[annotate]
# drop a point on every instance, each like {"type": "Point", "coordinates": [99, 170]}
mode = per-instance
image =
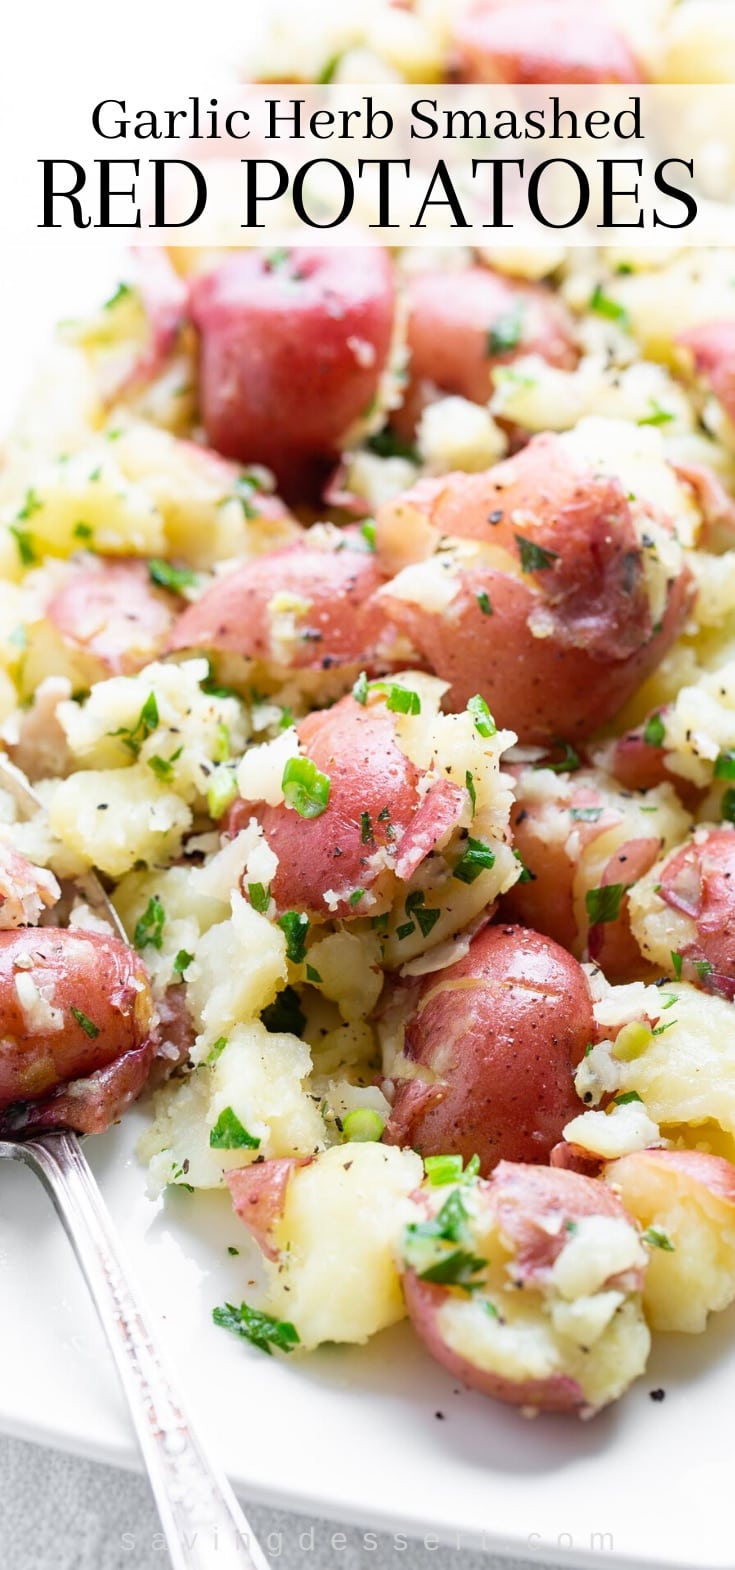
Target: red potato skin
{"type": "Point", "coordinates": [113, 612]}
{"type": "Point", "coordinates": [99, 976]}
{"type": "Point", "coordinates": [522, 1200]}
{"type": "Point", "coordinates": [699, 880]}
{"type": "Point", "coordinates": [356, 747]}
{"type": "Point", "coordinates": [589, 602]}
{"type": "Point", "coordinates": [86, 1105]}
{"type": "Point", "coordinates": [713, 348]}
{"type": "Point", "coordinates": [546, 902]}
{"type": "Point", "coordinates": [343, 625]}
{"type": "Point", "coordinates": [291, 356]}
{"type": "Point", "coordinates": [258, 1194]}
{"type": "Point", "coordinates": [536, 42]}
{"type": "Point", "coordinates": [501, 1031]}
{"type": "Point", "coordinates": [450, 318]}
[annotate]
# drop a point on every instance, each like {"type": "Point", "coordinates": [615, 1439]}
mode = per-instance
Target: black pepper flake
{"type": "Point", "coordinates": [495, 517]}
{"type": "Point", "coordinates": [657, 1395]}
{"type": "Point", "coordinates": [440, 1416]}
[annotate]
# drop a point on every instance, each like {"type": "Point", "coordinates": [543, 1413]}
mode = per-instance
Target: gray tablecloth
{"type": "Point", "coordinates": [59, 1513]}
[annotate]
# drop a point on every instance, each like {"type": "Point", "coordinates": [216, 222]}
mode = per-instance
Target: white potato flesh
{"type": "Point", "coordinates": [691, 1229]}
{"type": "Point", "coordinates": [337, 1279]}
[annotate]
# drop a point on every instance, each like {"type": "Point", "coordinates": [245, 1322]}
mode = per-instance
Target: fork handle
{"type": "Point", "coordinates": [201, 1518]}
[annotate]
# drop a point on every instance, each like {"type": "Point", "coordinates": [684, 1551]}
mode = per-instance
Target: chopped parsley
{"type": "Point", "coordinates": [259, 896]}
{"type": "Point", "coordinates": [655, 1238]}
{"type": "Point", "coordinates": [388, 444]}
{"type": "Point", "coordinates": [295, 925]}
{"type": "Point", "coordinates": [426, 1240]}
{"type": "Point", "coordinates": [569, 761]}
{"type": "Point", "coordinates": [400, 700]}
{"type": "Point", "coordinates": [122, 292]}
{"type": "Point", "coordinates": [626, 1098]}
{"type": "Point", "coordinates": [727, 808]}
{"type": "Point", "coordinates": [31, 503]}
{"type": "Point", "coordinates": [85, 1023]}
{"type": "Point", "coordinates": [355, 897]}
{"type": "Point", "coordinates": [654, 731]}
{"type": "Point", "coordinates": [216, 1049]}
{"type": "Point", "coordinates": [603, 904]}
{"type": "Point", "coordinates": [534, 558]}
{"type": "Point", "coordinates": [147, 721]}
{"type": "Point", "coordinates": [676, 963]}
{"type": "Point", "coordinates": [150, 927]}
{"type": "Point", "coordinates": [182, 962]}
{"type": "Point", "coordinates": [329, 70]}
{"type": "Point", "coordinates": [284, 1014]}
{"type": "Point", "coordinates": [483, 600]}
{"type": "Point", "coordinates": [603, 305]}
{"type": "Point", "coordinates": [366, 828]}
{"type": "Point", "coordinates": [658, 415]}
{"type": "Point", "coordinates": [703, 968]}
{"type": "Point", "coordinates": [367, 530]}
{"type": "Point", "coordinates": [229, 1134]}
{"type": "Point", "coordinates": [312, 974]}
{"type": "Point", "coordinates": [725, 765]}
{"type": "Point", "coordinates": [470, 788]}
{"type": "Point", "coordinates": [477, 857]}
{"type": "Point", "coordinates": [417, 911]}
{"type": "Point", "coordinates": [166, 576]}
{"type": "Point", "coordinates": [305, 788]}
{"type": "Point", "coordinates": [82, 531]}
{"type": "Point", "coordinates": [163, 768]}
{"type": "Point", "coordinates": [506, 331]}
{"type": "Point", "coordinates": [484, 722]}
{"type": "Point", "coordinates": [26, 547]}
{"type": "Point", "coordinates": [261, 1330]}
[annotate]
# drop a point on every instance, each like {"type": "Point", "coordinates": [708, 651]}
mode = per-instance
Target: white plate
{"type": "Point", "coordinates": [353, 1434]}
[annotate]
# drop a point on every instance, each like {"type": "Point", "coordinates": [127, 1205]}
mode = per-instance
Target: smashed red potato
{"type": "Point", "coordinates": [78, 1028]}
{"type": "Point", "coordinates": [528, 1287]}
{"type": "Point", "coordinates": [543, 606]}
{"type": "Point", "coordinates": [491, 1044]}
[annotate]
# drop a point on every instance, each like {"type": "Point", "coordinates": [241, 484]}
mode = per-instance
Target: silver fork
{"type": "Point", "coordinates": [199, 1513]}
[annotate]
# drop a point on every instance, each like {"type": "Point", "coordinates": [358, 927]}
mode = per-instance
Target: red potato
{"type": "Point", "coordinates": [356, 747]}
{"type": "Point", "coordinates": [330, 580]}
{"type": "Point", "coordinates": [539, 1328]}
{"type": "Point", "coordinates": [72, 1004]}
{"type": "Point", "coordinates": [699, 882]}
{"type": "Point", "coordinates": [555, 837]}
{"type": "Point", "coordinates": [498, 1036]}
{"type": "Point", "coordinates": [88, 1105]}
{"type": "Point", "coordinates": [25, 891]}
{"type": "Point", "coordinates": [452, 320]}
{"type": "Point", "coordinates": [685, 1200]}
{"type": "Point", "coordinates": [535, 41]}
{"type": "Point", "coordinates": [292, 350]}
{"type": "Point", "coordinates": [114, 613]}
{"type": "Point", "coordinates": [712, 346]}
{"type": "Point", "coordinates": [551, 619]}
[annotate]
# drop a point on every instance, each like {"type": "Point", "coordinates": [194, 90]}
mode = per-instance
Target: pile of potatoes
{"type": "Point", "coordinates": [367, 621]}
